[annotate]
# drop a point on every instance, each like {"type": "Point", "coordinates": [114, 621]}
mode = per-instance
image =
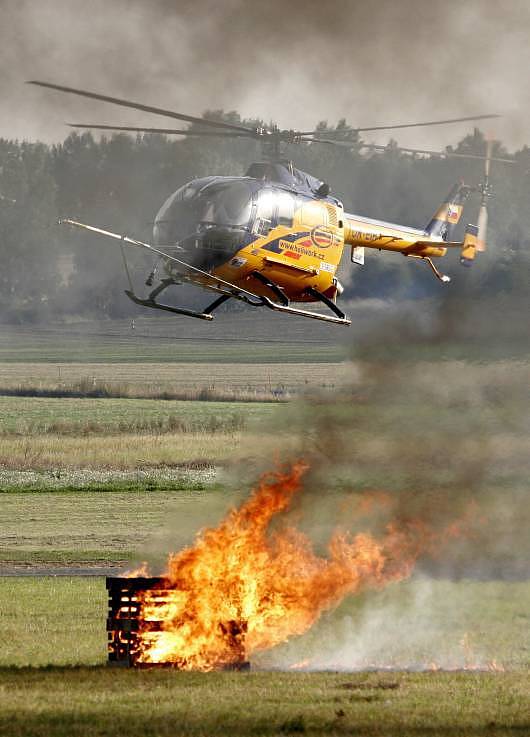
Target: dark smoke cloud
{"type": "Point", "coordinates": [430, 438]}
{"type": "Point", "coordinates": [436, 416]}
{"type": "Point", "coordinates": [296, 62]}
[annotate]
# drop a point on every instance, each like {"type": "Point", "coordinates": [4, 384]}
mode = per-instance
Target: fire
{"type": "Point", "coordinates": [142, 570]}
{"type": "Point", "coordinates": [244, 587]}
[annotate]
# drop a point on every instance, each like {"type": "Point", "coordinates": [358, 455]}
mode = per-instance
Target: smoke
{"type": "Point", "coordinates": [406, 626]}
{"type": "Point", "coordinates": [435, 424]}
{"type": "Point", "coordinates": [296, 63]}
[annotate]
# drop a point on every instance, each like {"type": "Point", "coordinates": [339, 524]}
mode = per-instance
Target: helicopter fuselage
{"type": "Point", "coordinates": [255, 233]}
{"type": "Point", "coordinates": [237, 227]}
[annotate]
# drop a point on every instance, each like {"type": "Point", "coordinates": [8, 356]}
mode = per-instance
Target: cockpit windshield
{"type": "Point", "coordinates": [225, 203]}
{"type": "Point", "coordinates": [204, 203]}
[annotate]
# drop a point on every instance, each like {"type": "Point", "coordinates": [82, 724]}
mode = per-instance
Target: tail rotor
{"type": "Point", "coordinates": [475, 239]}
{"type": "Point", "coordinates": [485, 192]}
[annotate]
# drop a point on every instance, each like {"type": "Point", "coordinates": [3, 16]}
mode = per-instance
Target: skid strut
{"type": "Point", "coordinates": [327, 301]}
{"type": "Point", "coordinates": [275, 289]}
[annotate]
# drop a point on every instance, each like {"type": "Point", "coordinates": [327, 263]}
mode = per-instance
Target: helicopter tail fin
{"type": "Point", "coordinates": [449, 212]}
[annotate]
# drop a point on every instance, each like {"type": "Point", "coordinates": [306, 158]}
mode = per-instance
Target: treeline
{"type": "Point", "coordinates": [119, 183]}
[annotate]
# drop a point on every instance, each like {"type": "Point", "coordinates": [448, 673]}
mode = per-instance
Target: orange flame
{"type": "Point", "coordinates": [142, 570]}
{"type": "Point", "coordinates": [243, 587]}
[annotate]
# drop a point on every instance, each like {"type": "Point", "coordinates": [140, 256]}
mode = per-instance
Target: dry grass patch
{"type": "Point", "coordinates": [125, 451]}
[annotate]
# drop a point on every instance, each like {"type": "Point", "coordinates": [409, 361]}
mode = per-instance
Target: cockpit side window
{"type": "Point", "coordinates": [176, 218]}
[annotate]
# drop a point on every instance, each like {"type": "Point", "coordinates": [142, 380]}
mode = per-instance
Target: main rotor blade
{"type": "Point", "coordinates": [442, 154]}
{"type": "Point", "coordinates": [167, 131]}
{"type": "Point", "coordinates": [344, 144]}
{"type": "Point", "coordinates": [139, 106]}
{"type": "Point", "coordinates": [405, 125]}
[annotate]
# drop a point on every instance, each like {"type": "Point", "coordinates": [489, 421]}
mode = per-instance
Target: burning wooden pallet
{"type": "Point", "coordinates": [126, 625]}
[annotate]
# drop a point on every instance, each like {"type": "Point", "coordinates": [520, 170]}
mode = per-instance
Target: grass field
{"type": "Point", "coordinates": [97, 519]}
{"type": "Point", "coordinates": [101, 528]}
{"type": "Point", "coordinates": [91, 484]}
{"type": "Point", "coordinates": [486, 400]}
{"type": "Point", "coordinates": [53, 681]}
{"type": "Point", "coordinates": [396, 437]}
{"type": "Point", "coordinates": [36, 415]}
{"type": "Point", "coordinates": [52, 455]}
{"type": "Point", "coordinates": [52, 435]}
{"type": "Point", "coordinates": [90, 702]}
{"type": "Point", "coordinates": [241, 338]}
{"type": "Point", "coordinates": [60, 621]}
{"type": "Point", "coordinates": [249, 381]}
{"type": "Point", "coordinates": [460, 331]}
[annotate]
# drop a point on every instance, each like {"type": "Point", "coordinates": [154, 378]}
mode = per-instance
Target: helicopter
{"type": "Point", "coordinates": [276, 235]}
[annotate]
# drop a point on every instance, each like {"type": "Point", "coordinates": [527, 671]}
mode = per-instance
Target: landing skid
{"type": "Point", "coordinates": [304, 313]}
{"type": "Point", "coordinates": [257, 301]}
{"type": "Point", "coordinates": [167, 308]}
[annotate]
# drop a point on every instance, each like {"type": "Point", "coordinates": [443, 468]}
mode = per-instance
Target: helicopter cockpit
{"type": "Point", "coordinates": [214, 217]}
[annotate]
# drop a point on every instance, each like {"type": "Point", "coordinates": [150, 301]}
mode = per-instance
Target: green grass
{"type": "Point", "coordinates": [53, 680]}
{"type": "Point", "coordinates": [232, 339]}
{"type": "Point", "coordinates": [50, 620]}
{"type": "Point", "coordinates": [49, 561]}
{"type": "Point", "coordinates": [87, 527]}
{"type": "Point", "coordinates": [37, 415]}
{"type": "Point", "coordinates": [90, 702]}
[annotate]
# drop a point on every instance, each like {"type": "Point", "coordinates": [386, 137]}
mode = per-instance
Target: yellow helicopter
{"type": "Point", "coordinates": [275, 236]}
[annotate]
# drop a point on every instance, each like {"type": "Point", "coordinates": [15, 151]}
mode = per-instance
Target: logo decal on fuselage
{"type": "Point", "coordinates": [238, 262]}
{"type": "Point", "coordinates": [302, 242]}
{"type": "Point", "coordinates": [277, 245]}
{"type": "Point", "coordinates": [322, 237]}
{"type": "Point", "coordinates": [453, 212]}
